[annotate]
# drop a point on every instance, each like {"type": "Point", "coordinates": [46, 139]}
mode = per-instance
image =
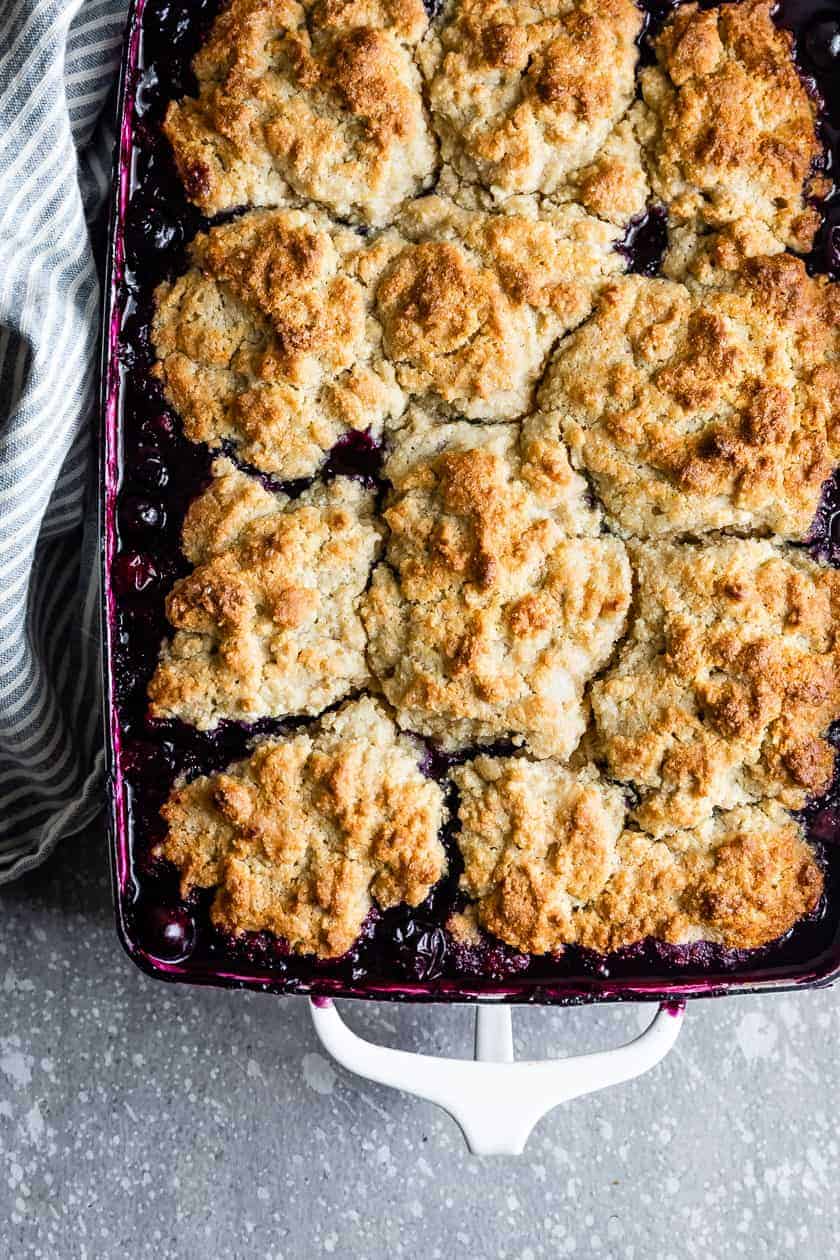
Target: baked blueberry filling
{"type": "Point", "coordinates": [645, 242]}
{"type": "Point", "coordinates": [161, 473]}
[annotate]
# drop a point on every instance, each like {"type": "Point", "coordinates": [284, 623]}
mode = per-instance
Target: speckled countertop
{"type": "Point", "coordinates": [139, 1119]}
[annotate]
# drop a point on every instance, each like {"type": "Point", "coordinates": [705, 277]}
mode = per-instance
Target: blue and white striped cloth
{"type": "Point", "coordinates": [57, 63]}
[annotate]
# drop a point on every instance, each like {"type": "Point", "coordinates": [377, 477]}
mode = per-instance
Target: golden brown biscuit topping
{"type": "Point", "coordinates": [537, 841]}
{"type": "Point", "coordinates": [524, 96]}
{"type": "Point", "coordinates": [470, 310]}
{"type": "Point", "coordinates": [699, 408]}
{"type": "Point", "coordinates": [304, 837]}
{"type": "Point", "coordinates": [317, 101]}
{"type": "Point", "coordinates": [269, 340]}
{"type": "Point", "coordinates": [725, 687]}
{"type": "Point", "coordinates": [741, 879]}
{"type": "Point", "coordinates": [548, 864]}
{"type": "Point", "coordinates": [267, 623]}
{"type": "Point", "coordinates": [491, 612]}
{"type": "Point", "coordinates": [728, 127]}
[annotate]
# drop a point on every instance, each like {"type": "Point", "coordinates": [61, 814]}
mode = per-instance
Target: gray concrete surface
{"type": "Point", "coordinates": [139, 1119]}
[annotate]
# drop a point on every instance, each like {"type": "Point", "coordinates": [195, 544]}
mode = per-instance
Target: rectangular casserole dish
{"type": "Point", "coordinates": [153, 932]}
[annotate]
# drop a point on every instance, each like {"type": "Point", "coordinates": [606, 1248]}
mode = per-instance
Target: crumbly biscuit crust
{"type": "Point", "coordinates": [698, 408]}
{"type": "Point", "coordinates": [311, 831]}
{"type": "Point", "coordinates": [268, 622]}
{"type": "Point", "coordinates": [525, 96]}
{"type": "Point", "coordinates": [548, 864]}
{"type": "Point", "coordinates": [471, 308]}
{"type": "Point", "coordinates": [564, 444]}
{"type": "Point", "coordinates": [727, 125]}
{"type": "Point", "coordinates": [270, 341]}
{"type": "Point", "coordinates": [538, 841]}
{"type": "Point", "coordinates": [289, 331]}
{"type": "Point", "coordinates": [491, 610]}
{"type": "Point", "coordinates": [723, 690]}
{"type": "Point", "coordinates": [741, 879]}
{"type": "Point", "coordinates": [319, 101]}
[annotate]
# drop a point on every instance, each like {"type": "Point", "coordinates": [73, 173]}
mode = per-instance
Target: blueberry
{"type": "Point", "coordinates": [822, 44]}
{"type": "Point", "coordinates": [159, 428]}
{"type": "Point", "coordinates": [149, 469]}
{"type": "Point", "coordinates": [420, 949]}
{"type": "Point", "coordinates": [162, 232]}
{"type": "Point", "coordinates": [645, 242]}
{"type": "Point", "coordinates": [153, 232]}
{"type": "Point", "coordinates": [133, 572]}
{"type": "Point", "coordinates": [127, 680]}
{"type": "Point", "coordinates": [436, 764]}
{"type": "Point", "coordinates": [592, 963]}
{"type": "Point", "coordinates": [132, 353]}
{"type": "Point", "coordinates": [145, 390]}
{"type": "Point", "coordinates": [136, 352]}
{"type": "Point", "coordinates": [140, 515]}
{"type": "Point", "coordinates": [824, 826]}
{"type": "Point", "coordinates": [139, 759]}
{"type": "Point", "coordinates": [354, 455]}
{"type": "Point", "coordinates": [832, 248]}
{"type": "Point", "coordinates": [150, 175]}
{"type": "Point", "coordinates": [167, 932]}
{"type": "Point", "coordinates": [169, 25]}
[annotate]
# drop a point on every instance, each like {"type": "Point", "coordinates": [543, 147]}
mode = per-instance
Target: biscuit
{"type": "Point", "coordinates": [471, 308]}
{"type": "Point", "coordinates": [269, 342]}
{"type": "Point", "coordinates": [316, 102]}
{"type": "Point", "coordinates": [491, 610]}
{"type": "Point", "coordinates": [728, 128]}
{"type": "Point", "coordinates": [537, 841]}
{"type": "Point", "coordinates": [741, 880]}
{"type": "Point", "coordinates": [525, 95]}
{"type": "Point", "coordinates": [697, 408]}
{"type": "Point", "coordinates": [548, 864]}
{"type": "Point", "coordinates": [724, 688]}
{"type": "Point", "coordinates": [709, 259]}
{"type": "Point", "coordinates": [304, 837]}
{"type": "Point", "coordinates": [267, 623]}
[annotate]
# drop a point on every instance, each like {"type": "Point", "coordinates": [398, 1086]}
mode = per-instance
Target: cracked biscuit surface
{"type": "Point", "coordinates": [491, 610]}
{"type": "Point", "coordinates": [698, 408]}
{"type": "Point", "coordinates": [727, 125]}
{"type": "Point", "coordinates": [741, 880]}
{"type": "Point", "coordinates": [319, 101]}
{"type": "Point", "coordinates": [472, 306]}
{"type": "Point", "coordinates": [538, 841]}
{"type": "Point", "coordinates": [311, 831]}
{"type": "Point", "coordinates": [525, 95]}
{"type": "Point", "coordinates": [549, 865]}
{"type": "Point", "coordinates": [269, 341]}
{"type": "Point", "coordinates": [724, 689]}
{"type": "Point", "coordinates": [655, 764]}
{"type": "Point", "coordinates": [268, 622]}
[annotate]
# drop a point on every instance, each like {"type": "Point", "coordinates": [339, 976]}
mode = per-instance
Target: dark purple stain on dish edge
{"type": "Point", "coordinates": [402, 951]}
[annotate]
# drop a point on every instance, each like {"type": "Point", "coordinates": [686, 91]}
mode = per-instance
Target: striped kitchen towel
{"type": "Point", "coordinates": [58, 60]}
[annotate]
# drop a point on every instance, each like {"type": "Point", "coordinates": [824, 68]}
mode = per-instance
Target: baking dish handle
{"type": "Point", "coordinates": [495, 1101]}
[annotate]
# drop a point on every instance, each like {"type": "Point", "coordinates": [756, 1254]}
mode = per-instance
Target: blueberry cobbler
{"type": "Point", "coordinates": [481, 403]}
